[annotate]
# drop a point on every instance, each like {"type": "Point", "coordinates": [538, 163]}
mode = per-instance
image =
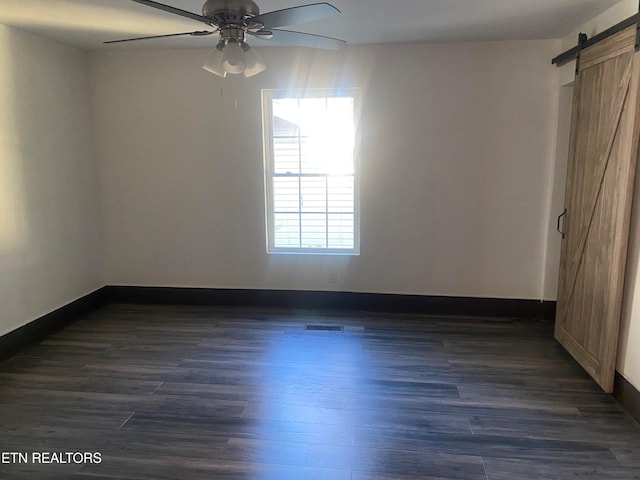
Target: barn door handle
{"type": "Point", "coordinates": [559, 220]}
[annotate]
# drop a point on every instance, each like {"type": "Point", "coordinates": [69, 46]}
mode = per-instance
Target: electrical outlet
{"type": "Point", "coordinates": [333, 277]}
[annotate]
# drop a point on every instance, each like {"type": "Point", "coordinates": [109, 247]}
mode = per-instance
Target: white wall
{"type": "Point", "coordinates": [457, 151]}
{"type": "Point", "coordinates": [50, 250]}
{"type": "Point", "coordinates": [629, 345]}
{"type": "Point", "coordinates": [557, 188]}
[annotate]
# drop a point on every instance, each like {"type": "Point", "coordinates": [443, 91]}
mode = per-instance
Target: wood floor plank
{"type": "Point", "coordinates": [44, 413]}
{"type": "Point", "coordinates": [288, 431]}
{"type": "Point", "coordinates": [515, 447]}
{"type": "Point", "coordinates": [339, 396]}
{"type": "Point", "coordinates": [76, 382]}
{"type": "Point", "coordinates": [588, 430]}
{"type": "Point", "coordinates": [510, 469]}
{"type": "Point", "coordinates": [629, 456]}
{"type": "Point", "coordinates": [30, 474]}
{"type": "Point", "coordinates": [383, 460]}
{"type": "Point", "coordinates": [172, 468]}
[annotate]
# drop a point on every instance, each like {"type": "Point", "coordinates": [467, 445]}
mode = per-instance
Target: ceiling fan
{"type": "Point", "coordinates": [233, 20]}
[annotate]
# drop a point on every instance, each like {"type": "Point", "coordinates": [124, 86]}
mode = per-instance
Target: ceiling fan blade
{"type": "Point", "coordinates": [306, 40]}
{"type": "Point", "coordinates": [296, 15]}
{"type": "Point", "coordinates": [191, 34]}
{"type": "Point", "coordinates": [176, 11]}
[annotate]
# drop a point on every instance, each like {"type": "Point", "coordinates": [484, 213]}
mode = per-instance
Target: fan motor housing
{"type": "Point", "coordinates": [215, 8]}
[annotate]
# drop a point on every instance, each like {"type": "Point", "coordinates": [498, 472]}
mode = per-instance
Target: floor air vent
{"type": "Point", "coordinates": [325, 328]}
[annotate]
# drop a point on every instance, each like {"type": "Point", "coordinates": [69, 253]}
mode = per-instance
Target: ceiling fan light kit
{"type": "Point", "coordinates": [234, 55]}
{"type": "Point", "coordinates": [233, 20]}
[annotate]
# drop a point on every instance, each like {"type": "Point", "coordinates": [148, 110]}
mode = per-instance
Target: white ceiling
{"type": "Point", "coordinates": [87, 23]}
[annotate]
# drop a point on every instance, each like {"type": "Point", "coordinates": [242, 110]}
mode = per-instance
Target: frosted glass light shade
{"type": "Point", "coordinates": [214, 62]}
{"type": "Point", "coordinates": [254, 62]}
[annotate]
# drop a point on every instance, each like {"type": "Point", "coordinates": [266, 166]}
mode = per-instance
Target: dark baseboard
{"type": "Point", "coordinates": [295, 299]}
{"type": "Point", "coordinates": [627, 395]}
{"type": "Point", "coordinates": [548, 310]}
{"type": "Point", "coordinates": [41, 328]}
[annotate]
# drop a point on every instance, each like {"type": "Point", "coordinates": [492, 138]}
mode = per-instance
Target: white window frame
{"type": "Point", "coordinates": [267, 102]}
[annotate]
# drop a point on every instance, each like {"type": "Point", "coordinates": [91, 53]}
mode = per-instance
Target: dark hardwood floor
{"type": "Point", "coordinates": [202, 393]}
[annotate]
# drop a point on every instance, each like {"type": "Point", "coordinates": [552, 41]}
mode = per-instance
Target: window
{"type": "Point", "coordinates": [311, 171]}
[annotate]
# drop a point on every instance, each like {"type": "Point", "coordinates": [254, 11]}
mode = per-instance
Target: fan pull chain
{"type": "Point", "coordinates": [235, 92]}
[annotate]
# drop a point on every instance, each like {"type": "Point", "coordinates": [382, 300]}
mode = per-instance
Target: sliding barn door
{"type": "Point", "coordinates": [600, 173]}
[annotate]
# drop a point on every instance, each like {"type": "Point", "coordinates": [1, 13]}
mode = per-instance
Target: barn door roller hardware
{"type": "Point", "coordinates": [584, 42]}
